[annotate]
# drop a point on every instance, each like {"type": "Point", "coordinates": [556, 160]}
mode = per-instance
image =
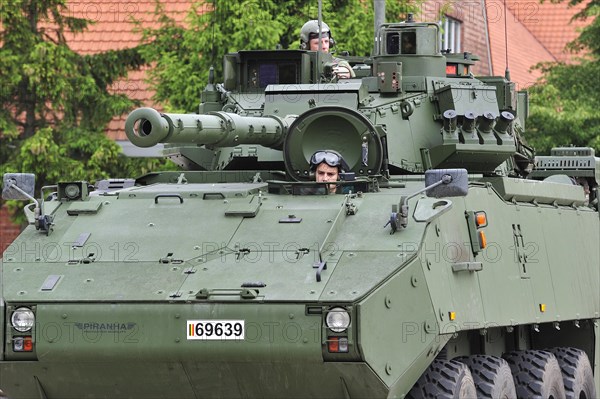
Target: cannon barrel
{"type": "Point", "coordinates": [146, 127]}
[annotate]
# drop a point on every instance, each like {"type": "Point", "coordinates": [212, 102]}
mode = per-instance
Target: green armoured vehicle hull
{"type": "Point", "coordinates": [229, 281]}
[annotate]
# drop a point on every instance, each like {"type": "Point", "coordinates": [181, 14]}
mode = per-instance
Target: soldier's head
{"type": "Point", "coordinates": [309, 36]}
{"type": "Point", "coordinates": [327, 166]}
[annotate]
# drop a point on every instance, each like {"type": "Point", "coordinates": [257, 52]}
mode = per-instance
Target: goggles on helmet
{"type": "Point", "coordinates": [331, 158]}
{"type": "Point", "coordinates": [315, 35]}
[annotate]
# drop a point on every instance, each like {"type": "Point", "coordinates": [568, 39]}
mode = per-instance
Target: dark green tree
{"type": "Point", "coordinates": [55, 102]}
{"type": "Point", "coordinates": [184, 54]}
{"type": "Point", "coordinates": [565, 103]}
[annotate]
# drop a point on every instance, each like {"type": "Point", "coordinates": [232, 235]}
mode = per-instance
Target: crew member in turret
{"type": "Point", "coordinates": [327, 166]}
{"type": "Point", "coordinates": [309, 40]}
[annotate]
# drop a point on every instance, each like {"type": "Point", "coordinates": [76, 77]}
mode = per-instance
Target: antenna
{"type": "Point", "coordinates": [506, 72]}
{"type": "Point", "coordinates": [379, 11]}
{"type": "Point", "coordinates": [214, 22]}
{"type": "Point", "coordinates": [320, 24]}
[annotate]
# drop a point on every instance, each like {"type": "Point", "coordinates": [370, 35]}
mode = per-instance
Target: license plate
{"type": "Point", "coordinates": [215, 329]}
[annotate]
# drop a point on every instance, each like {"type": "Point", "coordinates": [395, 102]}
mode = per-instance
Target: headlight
{"type": "Point", "coordinates": [337, 319]}
{"type": "Point", "coordinates": [22, 319]}
{"type": "Point", "coordinates": [72, 191]}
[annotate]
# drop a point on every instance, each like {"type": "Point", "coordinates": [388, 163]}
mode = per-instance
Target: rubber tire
{"type": "Point", "coordinates": [536, 374]}
{"type": "Point", "coordinates": [492, 375]}
{"type": "Point", "coordinates": [577, 373]}
{"type": "Point", "coordinates": [447, 379]}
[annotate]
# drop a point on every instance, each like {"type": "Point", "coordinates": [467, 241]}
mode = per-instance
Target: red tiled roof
{"type": "Point", "coordinates": [113, 29]}
{"type": "Point", "coordinates": [112, 25]}
{"type": "Point", "coordinates": [550, 23]}
{"type": "Point", "coordinates": [536, 33]}
{"type": "Point", "coordinates": [524, 50]}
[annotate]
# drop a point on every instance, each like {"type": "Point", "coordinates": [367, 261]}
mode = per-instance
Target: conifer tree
{"type": "Point", "coordinates": [56, 103]}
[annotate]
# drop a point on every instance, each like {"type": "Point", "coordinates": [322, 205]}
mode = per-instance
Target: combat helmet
{"type": "Point", "coordinates": [310, 30]}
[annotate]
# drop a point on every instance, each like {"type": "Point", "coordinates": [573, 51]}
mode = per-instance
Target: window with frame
{"type": "Point", "coordinates": [451, 34]}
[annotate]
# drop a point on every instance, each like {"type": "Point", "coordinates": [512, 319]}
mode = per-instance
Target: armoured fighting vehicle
{"type": "Point", "coordinates": [451, 262]}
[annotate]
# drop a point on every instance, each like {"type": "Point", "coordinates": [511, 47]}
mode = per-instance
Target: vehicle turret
{"type": "Point", "coordinates": [414, 110]}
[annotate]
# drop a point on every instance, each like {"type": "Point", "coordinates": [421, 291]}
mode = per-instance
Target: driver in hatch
{"type": "Point", "coordinates": [327, 166]}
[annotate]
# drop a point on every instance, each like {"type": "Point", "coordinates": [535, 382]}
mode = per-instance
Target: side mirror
{"type": "Point", "coordinates": [438, 183]}
{"type": "Point", "coordinates": [18, 186]}
{"type": "Point", "coordinates": [454, 183]}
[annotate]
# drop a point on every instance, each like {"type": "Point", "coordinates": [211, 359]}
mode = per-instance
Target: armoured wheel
{"type": "Point", "coordinates": [492, 375]}
{"type": "Point", "coordinates": [577, 373]}
{"type": "Point", "coordinates": [536, 374]}
{"type": "Point", "coordinates": [446, 379]}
